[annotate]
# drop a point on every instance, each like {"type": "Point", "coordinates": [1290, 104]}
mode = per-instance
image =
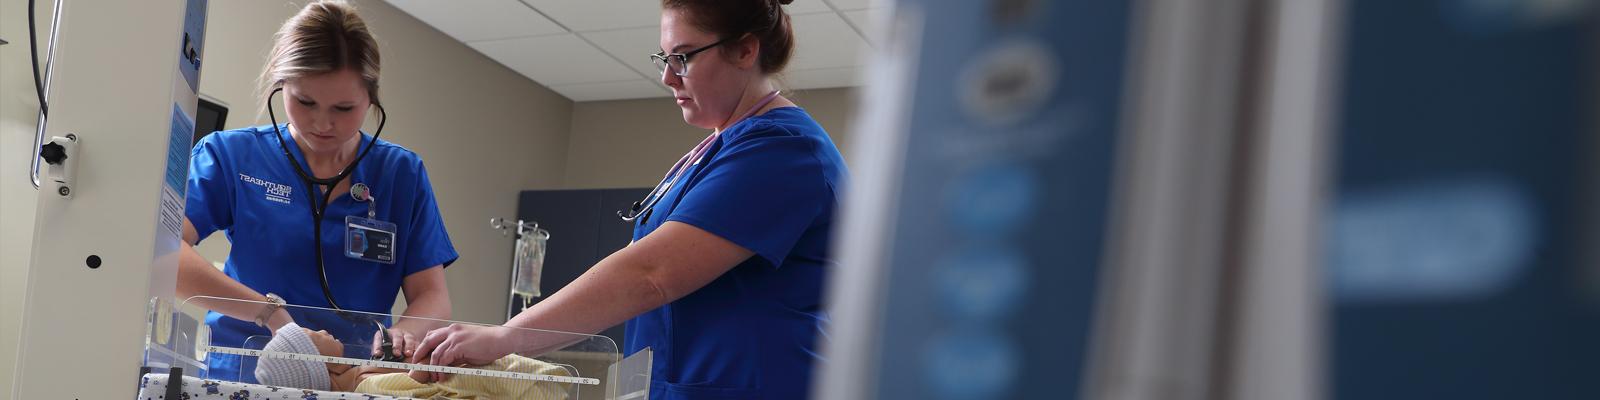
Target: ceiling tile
{"type": "Point", "coordinates": [862, 19]}
{"type": "Point", "coordinates": [555, 60]}
{"type": "Point", "coordinates": [591, 15]}
{"type": "Point", "coordinates": [635, 89]}
{"type": "Point", "coordinates": [471, 20]}
{"type": "Point", "coordinates": [632, 46]}
{"type": "Point", "coordinates": [823, 78]}
{"type": "Point", "coordinates": [799, 7]}
{"type": "Point", "coordinates": [825, 41]}
{"type": "Point", "coordinates": [847, 5]}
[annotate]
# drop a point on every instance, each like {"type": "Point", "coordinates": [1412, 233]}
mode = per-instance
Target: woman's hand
{"type": "Point", "coordinates": [404, 343]}
{"type": "Point", "coordinates": [460, 345]}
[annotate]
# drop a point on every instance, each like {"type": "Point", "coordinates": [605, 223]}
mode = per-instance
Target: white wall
{"type": "Point", "coordinates": [484, 132]}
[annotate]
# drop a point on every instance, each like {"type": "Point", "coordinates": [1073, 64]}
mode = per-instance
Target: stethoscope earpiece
{"type": "Point", "coordinates": [632, 212]}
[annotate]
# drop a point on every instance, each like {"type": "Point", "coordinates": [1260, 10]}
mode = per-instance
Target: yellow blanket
{"type": "Point", "coordinates": [475, 387]}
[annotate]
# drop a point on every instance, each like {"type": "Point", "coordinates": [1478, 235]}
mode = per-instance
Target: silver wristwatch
{"type": "Point", "coordinates": [274, 303]}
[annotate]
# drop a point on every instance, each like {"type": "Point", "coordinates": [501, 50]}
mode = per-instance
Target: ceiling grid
{"type": "Point", "coordinates": [590, 50]}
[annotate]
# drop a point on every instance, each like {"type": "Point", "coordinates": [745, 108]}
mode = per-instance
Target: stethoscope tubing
{"type": "Point", "coordinates": [318, 208]}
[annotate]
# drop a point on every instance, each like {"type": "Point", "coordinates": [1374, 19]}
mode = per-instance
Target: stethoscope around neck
{"type": "Point", "coordinates": [319, 207]}
{"type": "Point", "coordinates": [648, 203]}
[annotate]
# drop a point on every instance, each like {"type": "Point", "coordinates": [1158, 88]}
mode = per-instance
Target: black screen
{"type": "Point", "coordinates": [210, 117]}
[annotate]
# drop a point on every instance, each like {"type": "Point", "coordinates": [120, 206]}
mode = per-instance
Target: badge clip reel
{"type": "Point", "coordinates": [368, 238]}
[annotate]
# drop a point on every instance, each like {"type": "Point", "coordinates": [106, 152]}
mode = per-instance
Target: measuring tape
{"type": "Point", "coordinates": [400, 365]}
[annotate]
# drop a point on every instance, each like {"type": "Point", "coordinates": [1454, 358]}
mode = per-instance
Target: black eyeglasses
{"type": "Point", "coordinates": [679, 62]}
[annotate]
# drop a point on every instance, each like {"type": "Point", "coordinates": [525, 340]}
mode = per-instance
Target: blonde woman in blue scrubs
{"type": "Point", "coordinates": [251, 184]}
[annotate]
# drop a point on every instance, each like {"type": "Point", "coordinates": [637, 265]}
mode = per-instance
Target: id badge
{"type": "Point", "coordinates": [369, 239]}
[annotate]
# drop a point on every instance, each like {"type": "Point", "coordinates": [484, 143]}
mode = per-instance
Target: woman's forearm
{"type": "Point", "coordinates": [197, 277]}
{"type": "Point", "coordinates": [426, 309]}
{"type": "Point", "coordinates": [427, 300]}
{"type": "Point", "coordinates": [608, 294]}
{"type": "Point", "coordinates": [675, 260]}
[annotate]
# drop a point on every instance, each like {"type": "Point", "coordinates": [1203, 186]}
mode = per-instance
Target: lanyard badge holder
{"type": "Point", "coordinates": [368, 238]}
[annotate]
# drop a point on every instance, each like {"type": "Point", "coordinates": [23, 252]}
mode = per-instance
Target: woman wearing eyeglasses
{"type": "Point", "coordinates": [724, 277]}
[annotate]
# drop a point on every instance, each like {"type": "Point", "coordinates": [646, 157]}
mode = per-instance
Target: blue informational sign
{"type": "Point", "coordinates": [193, 43]}
{"type": "Point", "coordinates": [179, 142]}
{"type": "Point", "coordinates": [1459, 252]}
{"type": "Point", "coordinates": [1003, 205]}
{"type": "Point", "coordinates": [181, 133]}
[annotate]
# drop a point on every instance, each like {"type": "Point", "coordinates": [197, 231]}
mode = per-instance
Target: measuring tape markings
{"type": "Point", "coordinates": [406, 366]}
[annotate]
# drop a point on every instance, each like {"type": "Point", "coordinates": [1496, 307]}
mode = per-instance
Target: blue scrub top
{"type": "Point", "coordinates": [771, 184]}
{"type": "Point", "coordinates": [240, 183]}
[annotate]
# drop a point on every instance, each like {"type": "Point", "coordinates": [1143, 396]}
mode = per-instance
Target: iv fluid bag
{"type": "Point", "coordinates": [528, 263]}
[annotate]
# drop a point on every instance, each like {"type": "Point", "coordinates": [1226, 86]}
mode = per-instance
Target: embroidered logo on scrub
{"type": "Point", "coordinates": [276, 192]}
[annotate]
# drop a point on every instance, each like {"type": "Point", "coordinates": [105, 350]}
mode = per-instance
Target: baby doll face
{"type": "Point", "coordinates": [328, 346]}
